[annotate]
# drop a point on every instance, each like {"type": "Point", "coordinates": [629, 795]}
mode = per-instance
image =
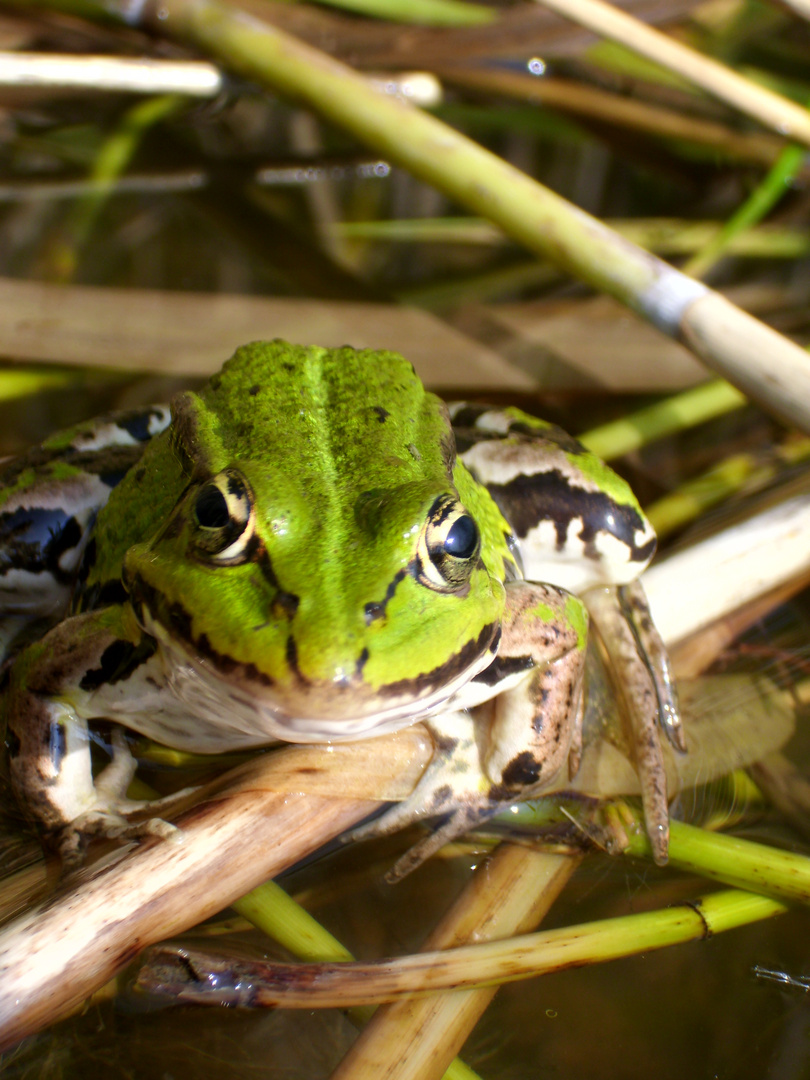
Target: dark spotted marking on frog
{"type": "Point", "coordinates": [375, 609]}
{"type": "Point", "coordinates": [138, 422]}
{"type": "Point", "coordinates": [118, 662]}
{"type": "Point", "coordinates": [57, 745]}
{"type": "Point", "coordinates": [502, 667]}
{"type": "Point", "coordinates": [548, 496]}
{"type": "Point", "coordinates": [522, 771]}
{"type": "Point", "coordinates": [35, 540]}
{"type": "Point", "coordinates": [446, 672]}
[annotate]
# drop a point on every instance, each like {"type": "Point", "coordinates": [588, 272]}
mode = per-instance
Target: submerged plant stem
{"type": "Point", "coordinates": [274, 912]}
{"type": "Point", "coordinates": [742, 863]}
{"type": "Point", "coordinates": [307, 986]}
{"type": "Point", "coordinates": [510, 892]}
{"type": "Point", "coordinates": [111, 162]}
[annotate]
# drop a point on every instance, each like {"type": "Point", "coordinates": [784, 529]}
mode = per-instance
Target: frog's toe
{"type": "Point", "coordinates": [461, 820]}
{"type": "Point", "coordinates": [654, 799]}
{"type": "Point", "coordinates": [459, 823]}
{"type": "Point", "coordinates": [112, 816]}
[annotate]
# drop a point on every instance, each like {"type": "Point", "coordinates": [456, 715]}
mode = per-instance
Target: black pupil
{"type": "Point", "coordinates": [462, 538]}
{"type": "Point", "coordinates": [211, 508]}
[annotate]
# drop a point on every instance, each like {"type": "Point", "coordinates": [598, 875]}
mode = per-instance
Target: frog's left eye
{"type": "Point", "coordinates": [224, 517]}
{"type": "Point", "coordinates": [448, 546]}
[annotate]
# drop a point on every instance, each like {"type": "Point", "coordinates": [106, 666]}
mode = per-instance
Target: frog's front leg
{"type": "Point", "coordinates": [643, 679]}
{"type": "Point", "coordinates": [519, 725]}
{"type": "Point", "coordinates": [45, 706]}
{"type": "Point", "coordinates": [536, 724]}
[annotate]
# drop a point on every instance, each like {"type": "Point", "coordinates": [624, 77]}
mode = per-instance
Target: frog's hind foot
{"type": "Point", "coordinates": [461, 820]}
{"type": "Point", "coordinates": [638, 656]}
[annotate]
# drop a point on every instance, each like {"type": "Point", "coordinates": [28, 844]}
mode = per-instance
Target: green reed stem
{"type": "Point", "coordinates": [423, 12]}
{"type": "Point", "coordinates": [759, 203]}
{"type": "Point", "coordinates": [741, 863]}
{"type": "Point", "coordinates": [673, 414]}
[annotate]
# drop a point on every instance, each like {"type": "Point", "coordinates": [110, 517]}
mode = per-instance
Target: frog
{"type": "Point", "coordinates": [314, 548]}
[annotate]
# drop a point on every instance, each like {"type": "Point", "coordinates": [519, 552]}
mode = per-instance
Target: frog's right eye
{"type": "Point", "coordinates": [448, 547]}
{"type": "Point", "coordinates": [224, 517]}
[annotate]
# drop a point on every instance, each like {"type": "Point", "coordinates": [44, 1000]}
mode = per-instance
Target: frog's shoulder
{"type": "Point", "coordinates": [476, 423]}
{"type": "Point", "coordinates": [50, 497]}
{"type": "Point", "coordinates": [578, 522]}
{"type": "Point", "coordinates": [526, 446]}
{"type": "Point", "coordinates": [55, 474]}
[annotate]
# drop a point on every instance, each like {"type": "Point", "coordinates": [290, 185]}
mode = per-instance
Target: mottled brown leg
{"type": "Point", "coordinates": [538, 722]}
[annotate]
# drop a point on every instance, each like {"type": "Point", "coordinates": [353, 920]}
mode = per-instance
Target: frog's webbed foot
{"type": "Point", "coordinates": [640, 663]}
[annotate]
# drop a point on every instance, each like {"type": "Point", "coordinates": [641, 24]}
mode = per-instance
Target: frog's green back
{"type": "Point", "coordinates": [361, 415]}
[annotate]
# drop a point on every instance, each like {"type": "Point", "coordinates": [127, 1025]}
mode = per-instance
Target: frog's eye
{"type": "Point", "coordinates": [224, 518]}
{"type": "Point", "coordinates": [448, 546]}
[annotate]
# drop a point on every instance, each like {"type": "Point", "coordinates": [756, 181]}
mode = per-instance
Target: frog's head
{"type": "Point", "coordinates": [327, 560]}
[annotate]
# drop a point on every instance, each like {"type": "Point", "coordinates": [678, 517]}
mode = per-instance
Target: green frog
{"type": "Point", "coordinates": [314, 548]}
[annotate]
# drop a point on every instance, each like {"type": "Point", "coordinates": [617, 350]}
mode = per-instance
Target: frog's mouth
{"type": "Point", "coordinates": [239, 705]}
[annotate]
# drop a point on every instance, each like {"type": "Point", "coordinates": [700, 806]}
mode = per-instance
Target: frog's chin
{"type": "Point", "coordinates": [237, 707]}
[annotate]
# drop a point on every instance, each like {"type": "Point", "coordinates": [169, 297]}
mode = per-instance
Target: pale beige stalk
{"type": "Point", "coordinates": [704, 582]}
{"type": "Point", "coordinates": [239, 834]}
{"type": "Point", "coordinates": [769, 108]}
{"type": "Point", "coordinates": [106, 74]}
{"type": "Point", "coordinates": [417, 1039]}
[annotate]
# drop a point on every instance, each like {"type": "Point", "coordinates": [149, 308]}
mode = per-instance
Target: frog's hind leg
{"type": "Point", "coordinates": [453, 780]}
{"type": "Point", "coordinates": [636, 611]}
{"type": "Point", "coordinates": [645, 683]}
